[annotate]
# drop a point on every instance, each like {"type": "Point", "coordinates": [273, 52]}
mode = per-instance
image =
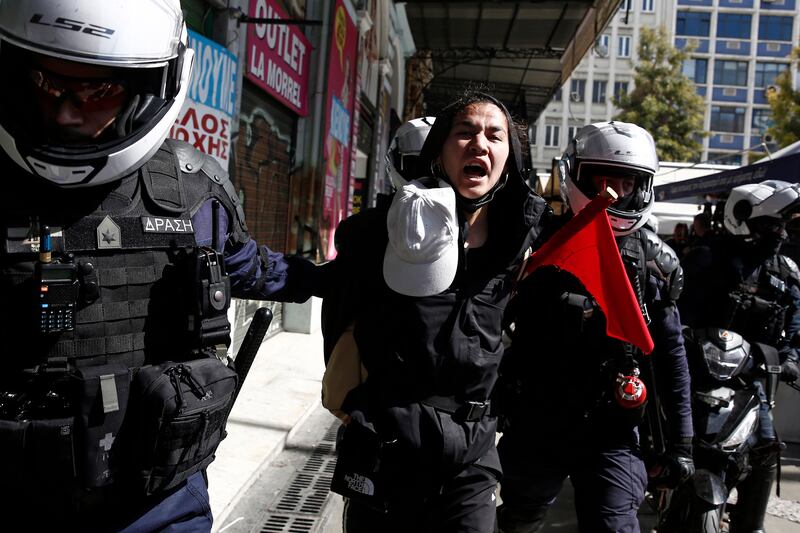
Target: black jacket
{"type": "Point", "coordinates": [564, 364]}
{"type": "Point", "coordinates": [447, 345]}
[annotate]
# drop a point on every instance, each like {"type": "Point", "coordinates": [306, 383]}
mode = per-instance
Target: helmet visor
{"type": "Point", "coordinates": [634, 187]}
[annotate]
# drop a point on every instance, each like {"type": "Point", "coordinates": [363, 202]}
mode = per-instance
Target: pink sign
{"type": "Point", "coordinates": [340, 102]}
{"type": "Point", "coordinates": [278, 57]}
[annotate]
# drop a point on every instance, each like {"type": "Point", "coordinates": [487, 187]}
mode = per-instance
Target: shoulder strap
{"type": "Point", "coordinates": [632, 250]}
{"type": "Point", "coordinates": [162, 181]}
{"type": "Point", "coordinates": [204, 178]}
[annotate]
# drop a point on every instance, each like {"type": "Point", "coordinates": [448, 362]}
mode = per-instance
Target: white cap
{"type": "Point", "coordinates": [422, 255]}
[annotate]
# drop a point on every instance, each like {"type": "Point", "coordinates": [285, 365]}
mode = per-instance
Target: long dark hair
{"type": "Point", "coordinates": [441, 130]}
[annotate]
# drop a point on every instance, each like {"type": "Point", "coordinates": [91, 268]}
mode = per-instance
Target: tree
{"type": "Point", "coordinates": [664, 100]}
{"type": "Point", "coordinates": [785, 103]}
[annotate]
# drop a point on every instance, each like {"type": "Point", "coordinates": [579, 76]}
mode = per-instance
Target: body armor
{"type": "Point", "coordinates": [757, 307]}
{"type": "Point", "coordinates": [127, 254]}
{"type": "Point", "coordinates": [577, 328]}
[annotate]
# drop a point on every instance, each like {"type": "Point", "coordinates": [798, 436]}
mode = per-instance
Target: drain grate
{"type": "Point", "coordinates": [288, 524]}
{"type": "Point", "coordinates": [301, 503]}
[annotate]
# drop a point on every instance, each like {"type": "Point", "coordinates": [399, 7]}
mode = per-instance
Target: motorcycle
{"type": "Point", "coordinates": [729, 378]}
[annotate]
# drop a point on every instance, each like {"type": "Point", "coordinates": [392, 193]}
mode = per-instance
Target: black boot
{"type": "Point", "coordinates": [754, 491]}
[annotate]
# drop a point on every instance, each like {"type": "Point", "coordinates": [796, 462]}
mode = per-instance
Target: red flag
{"type": "Point", "coordinates": [585, 247]}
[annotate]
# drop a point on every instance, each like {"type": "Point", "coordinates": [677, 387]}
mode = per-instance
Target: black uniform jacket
{"type": "Point", "coordinates": [447, 345]}
{"type": "Point", "coordinates": [565, 365]}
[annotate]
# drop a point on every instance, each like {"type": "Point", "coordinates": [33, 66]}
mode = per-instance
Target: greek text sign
{"type": "Point", "coordinates": [205, 118]}
{"type": "Point", "coordinates": [278, 57]}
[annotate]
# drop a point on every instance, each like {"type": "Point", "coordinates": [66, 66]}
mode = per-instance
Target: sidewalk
{"type": "Point", "coordinates": [281, 397]}
{"type": "Point", "coordinates": [281, 390]}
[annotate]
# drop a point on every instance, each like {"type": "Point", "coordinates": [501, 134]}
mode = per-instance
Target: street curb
{"type": "Point", "coordinates": [221, 518]}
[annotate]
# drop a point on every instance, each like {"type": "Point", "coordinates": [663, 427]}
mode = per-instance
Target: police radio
{"type": "Point", "coordinates": [56, 285]}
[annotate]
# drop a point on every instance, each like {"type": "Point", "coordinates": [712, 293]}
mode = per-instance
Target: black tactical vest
{"type": "Point", "coordinates": [757, 307]}
{"type": "Point", "coordinates": [127, 242]}
{"type": "Point", "coordinates": [130, 248]}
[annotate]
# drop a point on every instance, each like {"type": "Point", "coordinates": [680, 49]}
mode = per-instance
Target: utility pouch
{"type": "Point", "coordinates": [103, 402]}
{"type": "Point", "coordinates": [179, 419]}
{"type": "Point", "coordinates": [38, 452]}
{"type": "Point", "coordinates": [358, 463]}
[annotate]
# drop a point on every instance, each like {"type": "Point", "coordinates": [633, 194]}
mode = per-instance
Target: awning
{"type": "Point", "coordinates": [786, 168]}
{"type": "Point", "coordinates": [524, 50]}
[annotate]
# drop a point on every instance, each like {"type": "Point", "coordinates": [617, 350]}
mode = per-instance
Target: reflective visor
{"type": "Point", "coordinates": [634, 187]}
{"type": "Point", "coordinates": [90, 95]}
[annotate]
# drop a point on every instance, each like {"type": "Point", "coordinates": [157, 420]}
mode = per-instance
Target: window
{"type": "Point", "coordinates": [551, 134]}
{"type": "Point", "coordinates": [690, 23]}
{"type": "Point", "coordinates": [762, 119]}
{"type": "Point", "coordinates": [727, 119]}
{"type": "Point", "coordinates": [773, 28]}
{"type": "Point", "coordinates": [599, 91]}
{"type": "Point", "coordinates": [620, 89]}
{"type": "Point", "coordinates": [557, 95]}
{"type": "Point", "coordinates": [696, 69]}
{"type": "Point", "coordinates": [724, 158]}
{"type": "Point", "coordinates": [734, 25]}
{"type": "Point", "coordinates": [647, 6]}
{"type": "Point", "coordinates": [577, 89]}
{"type": "Point", "coordinates": [601, 45]}
{"type": "Point", "coordinates": [571, 132]}
{"type": "Point", "coordinates": [767, 72]}
{"type": "Point", "coordinates": [730, 73]}
{"type": "Point", "coordinates": [625, 6]}
{"type": "Point", "coordinates": [624, 46]}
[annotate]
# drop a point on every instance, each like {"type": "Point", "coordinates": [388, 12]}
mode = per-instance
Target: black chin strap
{"type": "Point", "coordinates": [470, 205]}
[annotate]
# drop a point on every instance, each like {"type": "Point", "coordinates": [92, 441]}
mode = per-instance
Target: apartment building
{"type": "Point", "coordinates": [740, 47]}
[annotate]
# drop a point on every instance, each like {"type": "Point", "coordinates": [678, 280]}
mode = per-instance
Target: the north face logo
{"type": "Point", "coordinates": [359, 483]}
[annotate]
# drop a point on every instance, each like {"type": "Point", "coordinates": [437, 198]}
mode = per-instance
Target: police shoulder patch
{"type": "Point", "coordinates": [109, 235]}
{"type": "Point", "coordinates": [166, 225]}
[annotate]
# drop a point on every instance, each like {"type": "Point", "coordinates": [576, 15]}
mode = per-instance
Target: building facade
{"type": "Point", "coordinates": [740, 47]}
{"type": "Point", "coordinates": [296, 99]}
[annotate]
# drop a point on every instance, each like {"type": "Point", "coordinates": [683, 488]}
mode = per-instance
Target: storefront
{"type": "Point", "coordinates": [274, 96]}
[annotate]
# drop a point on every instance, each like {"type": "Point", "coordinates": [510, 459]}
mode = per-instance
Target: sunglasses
{"type": "Point", "coordinates": [89, 95]}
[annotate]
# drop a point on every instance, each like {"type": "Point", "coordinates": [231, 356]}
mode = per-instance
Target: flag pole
{"type": "Point", "coordinates": [577, 223]}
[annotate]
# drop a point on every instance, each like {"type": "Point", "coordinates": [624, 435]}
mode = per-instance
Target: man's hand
{"type": "Point", "coordinates": [673, 468]}
{"type": "Point", "coordinates": [790, 370]}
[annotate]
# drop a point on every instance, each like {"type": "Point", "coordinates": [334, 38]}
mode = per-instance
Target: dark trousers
{"type": "Point", "coordinates": [606, 471]}
{"type": "Point", "coordinates": [464, 504]}
{"type": "Point", "coordinates": [185, 509]}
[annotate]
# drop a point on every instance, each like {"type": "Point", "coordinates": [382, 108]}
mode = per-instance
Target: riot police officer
{"type": "Point", "coordinates": [564, 417]}
{"type": "Point", "coordinates": [754, 290]}
{"type": "Point", "coordinates": [110, 267]}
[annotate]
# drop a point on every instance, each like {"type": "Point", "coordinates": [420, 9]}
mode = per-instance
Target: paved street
{"type": "Point", "coordinates": [291, 493]}
{"type": "Point", "coordinates": [273, 471]}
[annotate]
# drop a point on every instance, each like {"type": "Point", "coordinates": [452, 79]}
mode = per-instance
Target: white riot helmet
{"type": "Point", "coordinates": [611, 150]}
{"type": "Point", "coordinates": [141, 49]}
{"type": "Point", "coordinates": [748, 204]}
{"type": "Point", "coordinates": [403, 153]}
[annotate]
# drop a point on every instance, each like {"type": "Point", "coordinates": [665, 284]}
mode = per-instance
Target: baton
{"type": "Point", "coordinates": [250, 345]}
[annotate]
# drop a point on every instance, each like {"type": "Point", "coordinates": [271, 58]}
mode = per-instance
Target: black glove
{"type": "Point", "coordinates": [790, 370]}
{"type": "Point", "coordinates": [672, 468]}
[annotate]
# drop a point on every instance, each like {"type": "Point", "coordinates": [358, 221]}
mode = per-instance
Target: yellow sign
{"type": "Point", "coordinates": [340, 30]}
